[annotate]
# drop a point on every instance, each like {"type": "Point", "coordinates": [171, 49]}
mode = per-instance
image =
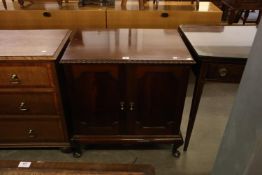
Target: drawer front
{"type": "Point", "coordinates": [22, 75]}
{"type": "Point", "coordinates": [159, 19]}
{"type": "Point", "coordinates": [53, 19]}
{"type": "Point", "coordinates": [16, 130]}
{"type": "Point", "coordinates": [28, 103]}
{"type": "Point", "coordinates": [225, 72]}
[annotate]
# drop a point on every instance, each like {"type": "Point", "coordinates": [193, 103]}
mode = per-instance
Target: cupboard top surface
{"type": "Point", "coordinates": [127, 46]}
{"type": "Point", "coordinates": [32, 44]}
{"type": "Point", "coordinates": [215, 42]}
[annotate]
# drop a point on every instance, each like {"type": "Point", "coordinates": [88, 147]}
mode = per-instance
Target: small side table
{"type": "Point", "coordinates": [220, 55]}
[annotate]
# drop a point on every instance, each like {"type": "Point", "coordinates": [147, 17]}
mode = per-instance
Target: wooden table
{"type": "Point", "coordinates": [71, 168]}
{"type": "Point", "coordinates": [221, 53]}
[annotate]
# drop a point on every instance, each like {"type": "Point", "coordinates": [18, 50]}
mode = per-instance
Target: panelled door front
{"type": "Point", "coordinates": [96, 96]}
{"type": "Point", "coordinates": [156, 98]}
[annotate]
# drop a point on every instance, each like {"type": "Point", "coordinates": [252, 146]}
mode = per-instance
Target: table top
{"type": "Point", "coordinates": [32, 44]}
{"type": "Point", "coordinates": [127, 46]}
{"type": "Point", "coordinates": [219, 42]}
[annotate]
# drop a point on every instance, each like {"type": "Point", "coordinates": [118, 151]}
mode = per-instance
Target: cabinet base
{"type": "Point", "coordinates": [78, 140]}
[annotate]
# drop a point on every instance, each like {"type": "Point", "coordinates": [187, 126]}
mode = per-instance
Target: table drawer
{"type": "Point", "coordinates": [159, 18]}
{"type": "Point", "coordinates": [45, 130]}
{"type": "Point", "coordinates": [28, 103]}
{"type": "Point", "coordinates": [225, 72]}
{"type": "Point", "coordinates": [22, 75]}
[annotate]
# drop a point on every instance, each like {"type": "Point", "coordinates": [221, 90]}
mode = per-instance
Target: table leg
{"type": "Point", "coordinates": [21, 2]}
{"type": "Point", "coordinates": [232, 15]}
{"type": "Point", "coordinates": [198, 89]}
{"type": "Point", "coordinates": [4, 3]}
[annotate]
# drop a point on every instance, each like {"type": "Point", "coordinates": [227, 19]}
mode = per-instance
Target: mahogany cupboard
{"type": "Point", "coordinates": [126, 86]}
{"type": "Point", "coordinates": [31, 112]}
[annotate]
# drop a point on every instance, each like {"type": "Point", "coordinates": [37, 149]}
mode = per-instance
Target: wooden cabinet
{"type": "Point", "coordinates": [31, 113]}
{"type": "Point", "coordinates": [131, 92]}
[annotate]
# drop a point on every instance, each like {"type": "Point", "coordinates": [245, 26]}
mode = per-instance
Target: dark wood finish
{"type": "Point", "coordinates": [95, 97]}
{"type": "Point", "coordinates": [156, 94]}
{"type": "Point", "coordinates": [118, 91]}
{"type": "Point", "coordinates": [59, 168]}
{"type": "Point", "coordinates": [29, 91]}
{"type": "Point", "coordinates": [236, 7]}
{"type": "Point", "coordinates": [221, 56]}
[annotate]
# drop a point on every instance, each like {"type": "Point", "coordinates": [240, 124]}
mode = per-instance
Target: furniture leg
{"type": "Point", "coordinates": [198, 89]}
{"type": "Point", "coordinates": [60, 2]}
{"type": "Point", "coordinates": [4, 3]}
{"type": "Point", "coordinates": [141, 4]}
{"type": "Point", "coordinates": [21, 2]}
{"type": "Point", "coordinates": [246, 14]}
{"type": "Point", "coordinates": [259, 17]}
{"type": "Point", "coordinates": [232, 14]}
{"type": "Point", "coordinates": [76, 149]}
{"type": "Point", "coordinates": [123, 3]}
{"type": "Point", "coordinates": [197, 4]}
{"type": "Point", "coordinates": [175, 147]}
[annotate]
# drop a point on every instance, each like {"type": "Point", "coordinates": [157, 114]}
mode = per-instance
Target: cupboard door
{"type": "Point", "coordinates": [95, 98]}
{"type": "Point", "coordinates": [157, 96]}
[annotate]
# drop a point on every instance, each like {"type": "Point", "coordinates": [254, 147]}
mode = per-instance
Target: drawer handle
{"type": "Point", "coordinates": [131, 106]}
{"type": "Point", "coordinates": [14, 79]}
{"type": "Point", "coordinates": [22, 107]}
{"type": "Point", "coordinates": [31, 133]}
{"type": "Point", "coordinates": [47, 14]}
{"type": "Point", "coordinates": [164, 15]}
{"type": "Point", "coordinates": [122, 106]}
{"type": "Point", "coordinates": [223, 72]}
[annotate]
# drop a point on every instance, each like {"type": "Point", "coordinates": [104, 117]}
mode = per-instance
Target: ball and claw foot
{"type": "Point", "coordinates": [77, 154]}
{"type": "Point", "coordinates": [176, 154]}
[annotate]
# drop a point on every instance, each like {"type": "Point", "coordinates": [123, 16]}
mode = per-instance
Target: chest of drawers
{"type": "Point", "coordinates": [31, 113]}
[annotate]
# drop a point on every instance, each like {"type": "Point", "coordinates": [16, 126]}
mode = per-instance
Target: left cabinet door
{"type": "Point", "coordinates": [95, 96]}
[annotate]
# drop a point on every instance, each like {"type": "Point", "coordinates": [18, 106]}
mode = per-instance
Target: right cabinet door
{"type": "Point", "coordinates": [156, 96]}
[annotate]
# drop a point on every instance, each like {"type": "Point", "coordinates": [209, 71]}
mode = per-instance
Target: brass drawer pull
{"type": "Point", "coordinates": [47, 14]}
{"type": "Point", "coordinates": [131, 106]}
{"type": "Point", "coordinates": [14, 79]}
{"type": "Point", "coordinates": [22, 107]}
{"type": "Point", "coordinates": [223, 72]}
{"type": "Point", "coordinates": [31, 133]}
{"type": "Point", "coordinates": [164, 15]}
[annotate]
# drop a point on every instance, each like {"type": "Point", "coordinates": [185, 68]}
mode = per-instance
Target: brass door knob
{"type": "Point", "coordinates": [131, 106]}
{"type": "Point", "coordinates": [122, 106]}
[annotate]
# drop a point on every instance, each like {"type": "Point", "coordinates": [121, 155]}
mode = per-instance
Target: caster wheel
{"type": "Point", "coordinates": [76, 154]}
{"type": "Point", "coordinates": [176, 154]}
